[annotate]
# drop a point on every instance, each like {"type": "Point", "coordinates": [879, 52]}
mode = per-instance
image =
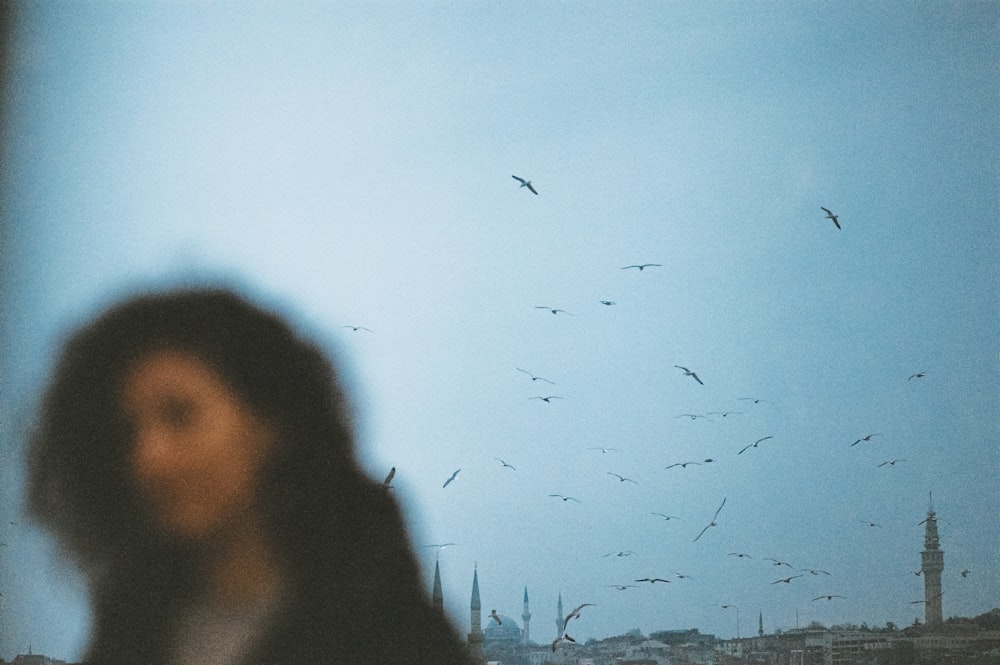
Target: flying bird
{"type": "Point", "coordinates": [622, 479]}
{"type": "Point", "coordinates": [778, 562]}
{"type": "Point", "coordinates": [813, 571]}
{"type": "Point", "coordinates": [387, 483]}
{"type": "Point", "coordinates": [620, 587]}
{"type": "Point", "coordinates": [554, 310]}
{"type": "Point", "coordinates": [755, 400]}
{"type": "Point", "coordinates": [891, 462]}
{"type": "Point", "coordinates": [683, 465]}
{"type": "Point", "coordinates": [575, 614]}
{"type": "Point", "coordinates": [740, 555]}
{"type": "Point", "coordinates": [642, 266]}
{"type": "Point", "coordinates": [653, 580]}
{"type": "Point", "coordinates": [693, 416]}
{"type": "Point", "coordinates": [712, 523]}
{"type": "Point", "coordinates": [357, 328]}
{"type": "Point", "coordinates": [871, 523]}
{"type": "Point", "coordinates": [451, 478]}
{"type": "Point", "coordinates": [603, 450]}
{"type": "Point", "coordinates": [724, 413]}
{"type": "Point", "coordinates": [918, 375]}
{"type": "Point", "coordinates": [440, 546]}
{"type": "Point", "coordinates": [565, 498]}
{"type": "Point", "coordinates": [534, 377]}
{"type": "Point", "coordinates": [786, 580]}
{"type": "Point", "coordinates": [496, 617]}
{"type": "Point", "coordinates": [666, 517]}
{"type": "Point", "coordinates": [525, 183]}
{"type": "Point", "coordinates": [830, 596]}
{"type": "Point", "coordinates": [505, 465]}
{"type": "Point", "coordinates": [624, 553]}
{"type": "Point", "coordinates": [688, 372]}
{"type": "Point", "coordinates": [754, 444]}
{"type": "Point", "coordinates": [965, 573]}
{"type": "Point", "coordinates": [831, 216]}
{"type": "Point", "coordinates": [866, 437]}
{"type": "Point", "coordinates": [608, 302]}
{"type": "Point", "coordinates": [547, 398]}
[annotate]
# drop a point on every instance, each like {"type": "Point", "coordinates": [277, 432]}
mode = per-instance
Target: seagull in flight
{"type": "Point", "coordinates": [666, 517]}
{"type": "Point", "coordinates": [534, 377]}
{"type": "Point", "coordinates": [688, 372]}
{"type": "Point", "coordinates": [440, 546]}
{"type": "Point", "coordinates": [620, 587]}
{"type": "Point", "coordinates": [357, 328]}
{"type": "Point", "coordinates": [830, 596]}
{"type": "Point", "coordinates": [740, 555]}
{"type": "Point", "coordinates": [547, 399]}
{"type": "Point", "coordinates": [603, 450]}
{"type": "Point", "coordinates": [866, 437]}
{"type": "Point", "coordinates": [525, 183]}
{"type": "Point", "coordinates": [683, 465]}
{"type": "Point", "coordinates": [891, 462]}
{"type": "Point", "coordinates": [387, 483]}
{"type": "Point", "coordinates": [653, 580]}
{"type": "Point", "coordinates": [565, 498]}
{"type": "Point", "coordinates": [871, 524]}
{"type": "Point", "coordinates": [785, 580]}
{"type": "Point", "coordinates": [554, 310]}
{"type": "Point", "coordinates": [918, 375]}
{"type": "Point", "coordinates": [754, 444]}
{"type": "Point", "coordinates": [755, 400]}
{"type": "Point", "coordinates": [831, 216]}
{"type": "Point", "coordinates": [694, 416]}
{"type": "Point", "coordinates": [778, 562]}
{"type": "Point", "coordinates": [622, 479]}
{"type": "Point", "coordinates": [642, 266]}
{"type": "Point", "coordinates": [608, 302]}
{"type": "Point", "coordinates": [712, 523]}
{"type": "Point", "coordinates": [505, 465]}
{"type": "Point", "coordinates": [621, 554]}
{"type": "Point", "coordinates": [451, 478]}
{"type": "Point", "coordinates": [575, 614]}
{"type": "Point", "coordinates": [496, 617]}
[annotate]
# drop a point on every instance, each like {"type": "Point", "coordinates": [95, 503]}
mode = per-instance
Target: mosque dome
{"type": "Point", "coordinates": [506, 631]}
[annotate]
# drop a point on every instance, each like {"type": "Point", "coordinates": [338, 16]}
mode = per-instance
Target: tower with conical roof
{"type": "Point", "coordinates": [760, 624]}
{"type": "Point", "coordinates": [559, 617]}
{"type": "Point", "coordinates": [931, 565]}
{"type": "Point", "coordinates": [437, 597]}
{"type": "Point", "coordinates": [476, 631]}
{"type": "Point", "coordinates": [526, 618]}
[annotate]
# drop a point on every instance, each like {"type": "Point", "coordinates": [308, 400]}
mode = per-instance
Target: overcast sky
{"type": "Point", "coordinates": [351, 164]}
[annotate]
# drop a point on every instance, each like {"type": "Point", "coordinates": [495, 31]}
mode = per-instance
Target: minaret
{"type": "Point", "coordinates": [760, 624]}
{"type": "Point", "coordinates": [559, 617]}
{"type": "Point", "coordinates": [476, 633]}
{"type": "Point", "coordinates": [437, 597]}
{"type": "Point", "coordinates": [931, 565]}
{"type": "Point", "coordinates": [526, 618]}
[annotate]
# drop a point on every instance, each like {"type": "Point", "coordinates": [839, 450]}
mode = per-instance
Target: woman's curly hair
{"type": "Point", "coordinates": [340, 532]}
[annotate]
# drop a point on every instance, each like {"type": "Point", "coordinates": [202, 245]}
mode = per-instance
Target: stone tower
{"type": "Point", "coordinates": [931, 565]}
{"type": "Point", "coordinates": [476, 631]}
{"type": "Point", "coordinates": [437, 597]}
{"type": "Point", "coordinates": [526, 618]}
{"type": "Point", "coordinates": [559, 617]}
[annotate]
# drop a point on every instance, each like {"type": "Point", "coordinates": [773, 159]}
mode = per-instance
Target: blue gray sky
{"type": "Point", "coordinates": [351, 164]}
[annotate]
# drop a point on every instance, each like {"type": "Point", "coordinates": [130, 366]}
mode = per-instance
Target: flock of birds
{"type": "Point", "coordinates": [714, 521]}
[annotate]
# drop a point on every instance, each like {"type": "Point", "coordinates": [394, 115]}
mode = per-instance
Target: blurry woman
{"type": "Point", "coordinates": [196, 456]}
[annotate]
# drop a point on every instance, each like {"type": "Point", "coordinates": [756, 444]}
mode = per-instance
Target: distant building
{"type": "Point", "coordinates": [931, 565]}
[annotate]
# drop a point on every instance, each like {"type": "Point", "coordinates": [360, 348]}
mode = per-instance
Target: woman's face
{"type": "Point", "coordinates": [198, 450]}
